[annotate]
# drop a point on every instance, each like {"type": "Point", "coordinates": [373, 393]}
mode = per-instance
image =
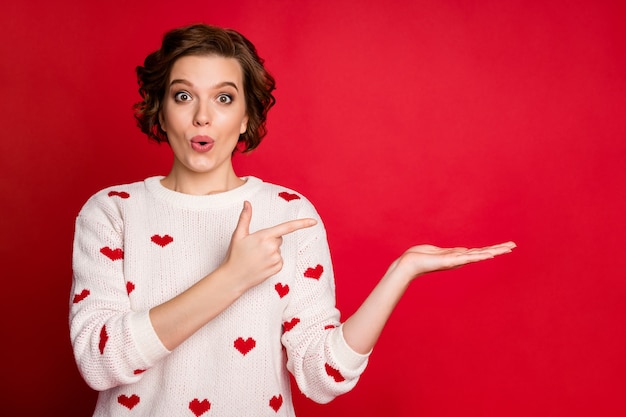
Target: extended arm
{"type": "Point", "coordinates": [362, 329]}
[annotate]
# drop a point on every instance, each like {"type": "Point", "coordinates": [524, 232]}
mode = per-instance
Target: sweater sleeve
{"type": "Point", "coordinates": [112, 344]}
{"type": "Point", "coordinates": [322, 363]}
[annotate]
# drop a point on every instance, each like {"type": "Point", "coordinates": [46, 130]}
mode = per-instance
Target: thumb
{"type": "Point", "coordinates": [243, 225]}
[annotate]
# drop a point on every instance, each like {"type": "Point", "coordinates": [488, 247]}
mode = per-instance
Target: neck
{"type": "Point", "coordinates": [200, 183]}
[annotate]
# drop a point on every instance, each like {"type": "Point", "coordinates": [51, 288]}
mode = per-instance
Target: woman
{"type": "Point", "coordinates": [197, 292]}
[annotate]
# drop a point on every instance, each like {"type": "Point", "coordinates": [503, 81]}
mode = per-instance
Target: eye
{"type": "Point", "coordinates": [224, 99]}
{"type": "Point", "coordinates": [182, 96]}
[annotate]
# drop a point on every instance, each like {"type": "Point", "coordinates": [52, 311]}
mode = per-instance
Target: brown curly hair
{"type": "Point", "coordinates": [202, 39]}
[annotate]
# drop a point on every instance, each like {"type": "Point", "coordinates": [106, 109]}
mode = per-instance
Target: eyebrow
{"type": "Point", "coordinates": [216, 86]}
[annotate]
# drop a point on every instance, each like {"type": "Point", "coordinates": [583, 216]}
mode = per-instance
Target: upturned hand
{"type": "Point", "coordinates": [422, 259]}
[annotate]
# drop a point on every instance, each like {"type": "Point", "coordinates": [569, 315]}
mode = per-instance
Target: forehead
{"type": "Point", "coordinates": [207, 70]}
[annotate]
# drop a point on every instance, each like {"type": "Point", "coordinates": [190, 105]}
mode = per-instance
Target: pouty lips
{"type": "Point", "coordinates": [202, 143]}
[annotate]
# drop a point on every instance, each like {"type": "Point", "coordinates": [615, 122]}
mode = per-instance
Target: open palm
{"type": "Point", "coordinates": [422, 259]}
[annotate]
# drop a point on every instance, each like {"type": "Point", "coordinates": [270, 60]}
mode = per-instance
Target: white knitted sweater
{"type": "Point", "coordinates": [140, 244]}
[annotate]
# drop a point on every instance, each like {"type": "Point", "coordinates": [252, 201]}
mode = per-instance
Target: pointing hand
{"type": "Point", "coordinates": [254, 257]}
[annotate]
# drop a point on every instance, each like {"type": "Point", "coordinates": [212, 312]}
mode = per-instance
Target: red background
{"type": "Point", "coordinates": [447, 122]}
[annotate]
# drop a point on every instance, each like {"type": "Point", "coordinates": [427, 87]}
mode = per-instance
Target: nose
{"type": "Point", "coordinates": [203, 116]}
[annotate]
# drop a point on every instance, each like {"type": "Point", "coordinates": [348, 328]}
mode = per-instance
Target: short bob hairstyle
{"type": "Point", "coordinates": [201, 39]}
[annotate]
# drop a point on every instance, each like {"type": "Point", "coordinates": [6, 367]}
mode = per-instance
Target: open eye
{"type": "Point", "coordinates": [224, 99]}
{"type": "Point", "coordinates": [182, 96]}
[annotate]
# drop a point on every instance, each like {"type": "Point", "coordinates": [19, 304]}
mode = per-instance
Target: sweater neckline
{"type": "Point", "coordinates": [226, 198]}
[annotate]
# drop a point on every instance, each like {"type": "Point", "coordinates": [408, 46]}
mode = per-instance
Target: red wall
{"type": "Point", "coordinates": [448, 122]}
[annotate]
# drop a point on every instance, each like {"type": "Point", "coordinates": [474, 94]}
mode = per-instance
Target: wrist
{"type": "Point", "coordinates": [401, 273]}
{"type": "Point", "coordinates": [228, 280]}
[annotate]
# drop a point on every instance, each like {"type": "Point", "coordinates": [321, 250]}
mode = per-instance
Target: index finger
{"type": "Point", "coordinates": [289, 227]}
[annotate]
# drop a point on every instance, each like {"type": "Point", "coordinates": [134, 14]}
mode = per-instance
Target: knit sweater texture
{"type": "Point", "coordinates": [138, 245]}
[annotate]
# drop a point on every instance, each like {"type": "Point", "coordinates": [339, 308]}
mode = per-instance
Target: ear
{"type": "Point", "coordinates": [162, 121]}
{"type": "Point", "coordinates": [244, 125]}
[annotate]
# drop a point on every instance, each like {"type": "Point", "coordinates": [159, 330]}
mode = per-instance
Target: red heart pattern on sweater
{"type": "Point", "coordinates": [288, 196]}
{"type": "Point", "coordinates": [288, 325]}
{"type": "Point", "coordinates": [80, 297]}
{"type": "Point", "coordinates": [276, 402]}
{"type": "Point", "coordinates": [245, 346]}
{"type": "Point", "coordinates": [112, 254]}
{"type": "Point", "coordinates": [334, 373]}
{"type": "Point", "coordinates": [162, 241]}
{"type": "Point", "coordinates": [104, 337]}
{"type": "Point", "coordinates": [120, 194]}
{"type": "Point", "coordinates": [314, 273]}
{"type": "Point", "coordinates": [199, 407]}
{"type": "Point", "coordinates": [128, 402]}
{"type": "Point", "coordinates": [281, 289]}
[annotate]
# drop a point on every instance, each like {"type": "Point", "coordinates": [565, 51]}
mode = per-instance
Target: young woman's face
{"type": "Point", "coordinates": [204, 112]}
